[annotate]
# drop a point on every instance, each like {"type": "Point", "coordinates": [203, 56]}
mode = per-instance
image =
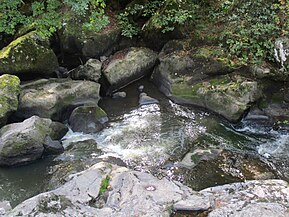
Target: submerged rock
{"type": "Point", "coordinates": [88, 119]}
{"type": "Point", "coordinates": [127, 66]}
{"type": "Point", "coordinates": [9, 92]}
{"type": "Point", "coordinates": [119, 95]}
{"type": "Point", "coordinates": [55, 98]}
{"type": "Point", "coordinates": [109, 190]}
{"type": "Point", "coordinates": [144, 99]}
{"type": "Point", "coordinates": [28, 54]}
{"type": "Point", "coordinates": [23, 142]}
{"type": "Point", "coordinates": [91, 71]}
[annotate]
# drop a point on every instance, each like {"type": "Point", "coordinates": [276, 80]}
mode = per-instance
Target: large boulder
{"type": "Point", "coordinates": [187, 77]}
{"type": "Point", "coordinates": [88, 43]}
{"type": "Point", "coordinates": [88, 119]}
{"type": "Point", "coordinates": [127, 66]}
{"type": "Point", "coordinates": [110, 190]}
{"type": "Point", "coordinates": [227, 96]}
{"type": "Point", "coordinates": [9, 92]}
{"type": "Point", "coordinates": [28, 54]}
{"type": "Point", "coordinates": [55, 98]}
{"type": "Point", "coordinates": [23, 142]}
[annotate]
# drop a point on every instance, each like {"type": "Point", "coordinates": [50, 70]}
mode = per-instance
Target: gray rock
{"type": "Point", "coordinates": [55, 98]}
{"type": "Point", "coordinates": [52, 146]}
{"type": "Point", "coordinates": [119, 95]}
{"type": "Point", "coordinates": [131, 193]}
{"type": "Point", "coordinates": [58, 130]}
{"type": "Point", "coordinates": [91, 71]}
{"type": "Point", "coordinates": [88, 119]}
{"type": "Point", "coordinates": [127, 66]}
{"type": "Point", "coordinates": [28, 54]}
{"type": "Point", "coordinates": [144, 99]}
{"type": "Point", "coordinates": [23, 142]}
{"type": "Point", "coordinates": [141, 88]}
{"type": "Point", "coordinates": [4, 207]}
{"type": "Point", "coordinates": [266, 70]}
{"type": "Point", "coordinates": [9, 92]}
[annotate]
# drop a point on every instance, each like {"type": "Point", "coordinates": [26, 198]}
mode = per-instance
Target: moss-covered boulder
{"type": "Point", "coordinates": [55, 98]}
{"type": "Point", "coordinates": [23, 142]}
{"type": "Point", "coordinates": [88, 119]}
{"type": "Point", "coordinates": [9, 92]}
{"type": "Point", "coordinates": [89, 43]}
{"type": "Point", "coordinates": [128, 65]}
{"type": "Point", "coordinates": [28, 54]}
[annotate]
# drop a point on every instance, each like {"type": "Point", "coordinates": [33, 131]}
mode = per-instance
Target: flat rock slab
{"type": "Point", "coordinates": [55, 98]}
{"type": "Point", "coordinates": [131, 193]}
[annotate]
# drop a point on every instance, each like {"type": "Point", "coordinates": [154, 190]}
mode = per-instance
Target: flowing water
{"type": "Point", "coordinates": [168, 140]}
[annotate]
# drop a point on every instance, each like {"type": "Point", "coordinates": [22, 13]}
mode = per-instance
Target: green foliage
{"type": "Point", "coordinates": [157, 15]}
{"type": "Point", "coordinates": [104, 185]}
{"type": "Point", "coordinates": [46, 16]}
{"type": "Point", "coordinates": [252, 27]}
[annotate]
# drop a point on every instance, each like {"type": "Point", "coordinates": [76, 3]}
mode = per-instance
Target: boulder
{"type": "Point", "coordinates": [55, 98]}
{"type": "Point", "coordinates": [9, 92]}
{"type": "Point", "coordinates": [109, 190]}
{"type": "Point", "coordinates": [88, 43]}
{"type": "Point", "coordinates": [229, 96]}
{"type": "Point", "coordinates": [193, 65]}
{"type": "Point", "coordinates": [91, 71]}
{"type": "Point", "coordinates": [23, 142]}
{"type": "Point", "coordinates": [144, 99]}
{"type": "Point", "coordinates": [88, 119]}
{"type": "Point", "coordinates": [127, 66]}
{"type": "Point", "coordinates": [52, 146]}
{"type": "Point", "coordinates": [28, 54]}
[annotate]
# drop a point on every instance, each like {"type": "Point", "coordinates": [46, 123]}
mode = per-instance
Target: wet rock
{"type": "Point", "coordinates": [28, 54]}
{"type": "Point", "coordinates": [144, 99]}
{"type": "Point", "coordinates": [4, 207]}
{"type": "Point", "coordinates": [119, 95]}
{"type": "Point", "coordinates": [9, 92]}
{"type": "Point", "coordinates": [52, 146]}
{"type": "Point", "coordinates": [88, 119]}
{"type": "Point", "coordinates": [141, 88]}
{"type": "Point", "coordinates": [109, 190]}
{"type": "Point", "coordinates": [127, 66]}
{"type": "Point", "coordinates": [55, 98]}
{"type": "Point", "coordinates": [58, 130]}
{"type": "Point", "coordinates": [91, 71]}
{"type": "Point", "coordinates": [221, 166]}
{"type": "Point", "coordinates": [23, 142]}
{"type": "Point", "coordinates": [133, 193]}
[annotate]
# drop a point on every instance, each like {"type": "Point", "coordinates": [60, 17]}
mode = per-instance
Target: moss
{"type": "Point", "coordinates": [104, 184]}
{"type": "Point", "coordinates": [263, 104]}
{"type": "Point", "coordinates": [10, 84]}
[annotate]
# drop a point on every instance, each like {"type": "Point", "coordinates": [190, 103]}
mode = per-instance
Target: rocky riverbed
{"type": "Point", "coordinates": [97, 141]}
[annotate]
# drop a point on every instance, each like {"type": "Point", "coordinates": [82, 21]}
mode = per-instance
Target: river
{"type": "Point", "coordinates": [181, 143]}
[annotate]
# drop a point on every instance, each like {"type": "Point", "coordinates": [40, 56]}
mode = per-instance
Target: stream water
{"type": "Point", "coordinates": [168, 140]}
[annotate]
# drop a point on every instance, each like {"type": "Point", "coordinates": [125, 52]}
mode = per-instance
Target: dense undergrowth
{"type": "Point", "coordinates": [247, 30]}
